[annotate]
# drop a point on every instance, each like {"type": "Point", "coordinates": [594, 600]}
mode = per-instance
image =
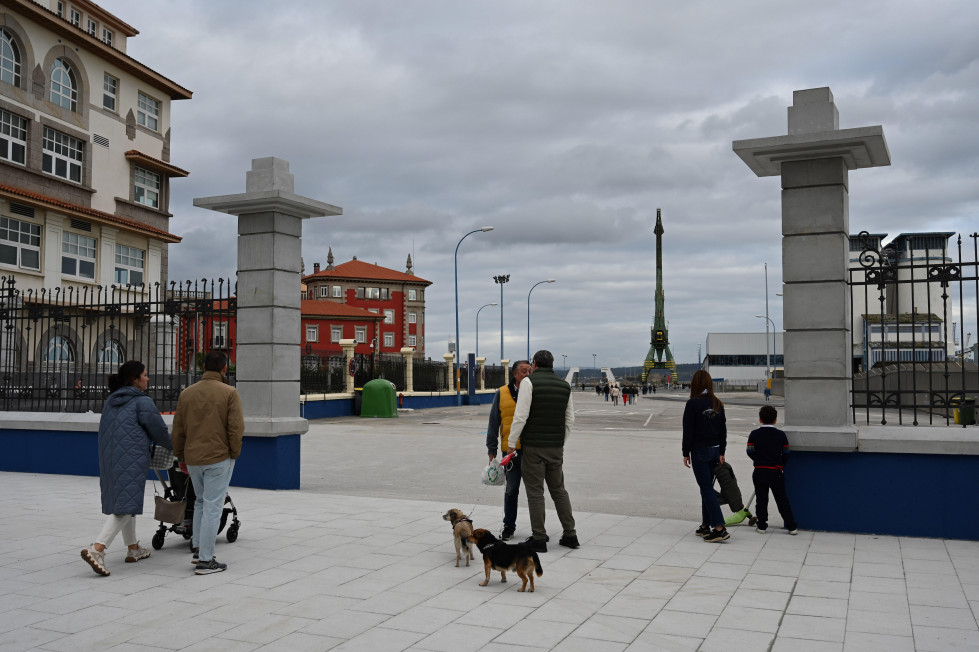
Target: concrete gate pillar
{"type": "Point", "coordinates": [408, 352]}
{"type": "Point", "coordinates": [270, 219]}
{"type": "Point", "coordinates": [814, 161]}
{"type": "Point", "coordinates": [480, 365]}
{"type": "Point", "coordinates": [348, 356]}
{"type": "Point", "coordinates": [449, 370]}
{"type": "Point", "coordinates": [506, 371]}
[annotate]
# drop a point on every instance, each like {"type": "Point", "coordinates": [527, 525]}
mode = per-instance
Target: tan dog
{"type": "Point", "coordinates": [502, 557]}
{"type": "Point", "coordinates": [462, 529]}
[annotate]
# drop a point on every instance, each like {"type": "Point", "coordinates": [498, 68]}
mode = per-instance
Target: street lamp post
{"type": "Point", "coordinates": [774, 352]}
{"type": "Point", "coordinates": [550, 280]}
{"type": "Point", "coordinates": [565, 356]}
{"type": "Point", "coordinates": [500, 280]}
{"type": "Point", "coordinates": [593, 362]}
{"type": "Point", "coordinates": [459, 348]}
{"type": "Point", "coordinates": [477, 325]}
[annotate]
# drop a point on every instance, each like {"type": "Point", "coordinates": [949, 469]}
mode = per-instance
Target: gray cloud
{"type": "Point", "coordinates": [564, 126]}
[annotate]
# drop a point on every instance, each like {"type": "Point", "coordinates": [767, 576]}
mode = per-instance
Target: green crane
{"type": "Point", "coordinates": [659, 344]}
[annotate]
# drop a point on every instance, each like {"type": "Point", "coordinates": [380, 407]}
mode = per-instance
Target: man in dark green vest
{"type": "Point", "coordinates": [541, 424]}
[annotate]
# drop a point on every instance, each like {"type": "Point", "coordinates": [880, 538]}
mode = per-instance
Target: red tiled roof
{"type": "Point", "coordinates": [358, 269]}
{"type": "Point", "coordinates": [49, 202]}
{"type": "Point", "coordinates": [163, 166]}
{"type": "Point", "coordinates": [323, 308]}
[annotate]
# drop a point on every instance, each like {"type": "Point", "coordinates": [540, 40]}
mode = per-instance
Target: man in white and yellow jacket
{"type": "Point", "coordinates": [498, 433]}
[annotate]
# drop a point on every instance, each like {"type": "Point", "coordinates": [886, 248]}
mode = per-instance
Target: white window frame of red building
{"type": "Point", "coordinates": [337, 292]}
{"type": "Point", "coordinates": [219, 335]}
{"type": "Point", "coordinates": [412, 318]}
{"type": "Point", "coordinates": [336, 333]}
{"type": "Point", "coordinates": [388, 316]}
{"type": "Point", "coordinates": [324, 291]}
{"type": "Point", "coordinates": [360, 334]}
{"type": "Point", "coordinates": [412, 294]}
{"type": "Point", "coordinates": [389, 340]}
{"type": "Point", "coordinates": [412, 340]}
{"type": "Point", "coordinates": [312, 333]}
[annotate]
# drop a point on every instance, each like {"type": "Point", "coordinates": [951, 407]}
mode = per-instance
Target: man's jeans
{"type": "Point", "coordinates": [211, 485]}
{"type": "Point", "coordinates": [512, 493]}
{"type": "Point", "coordinates": [703, 461]}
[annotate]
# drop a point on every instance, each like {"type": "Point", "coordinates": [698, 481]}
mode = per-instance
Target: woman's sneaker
{"type": "Point", "coordinates": [703, 531]}
{"type": "Point", "coordinates": [208, 567]}
{"type": "Point", "coordinates": [716, 536]}
{"type": "Point", "coordinates": [137, 553]}
{"type": "Point", "coordinates": [95, 559]}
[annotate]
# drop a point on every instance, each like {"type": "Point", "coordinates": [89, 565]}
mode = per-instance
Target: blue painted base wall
{"type": "Point", "coordinates": [883, 493]}
{"type": "Point", "coordinates": [344, 407]}
{"type": "Point", "coordinates": [265, 462]}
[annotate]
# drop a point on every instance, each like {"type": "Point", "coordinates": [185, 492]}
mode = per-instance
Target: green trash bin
{"type": "Point", "coordinates": [967, 413]}
{"type": "Point", "coordinates": [379, 399]}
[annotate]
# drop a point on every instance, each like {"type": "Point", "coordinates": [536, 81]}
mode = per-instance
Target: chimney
{"type": "Point", "coordinates": [316, 268]}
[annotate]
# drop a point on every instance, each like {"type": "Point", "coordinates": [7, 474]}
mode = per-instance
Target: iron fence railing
{"type": "Point", "coordinates": [914, 308]}
{"type": "Point", "coordinates": [429, 376]}
{"type": "Point", "coordinates": [495, 376]}
{"type": "Point", "coordinates": [58, 346]}
{"type": "Point", "coordinates": [322, 372]}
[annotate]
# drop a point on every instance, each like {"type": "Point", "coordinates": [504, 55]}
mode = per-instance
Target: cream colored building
{"type": "Point", "coordinates": [84, 150]}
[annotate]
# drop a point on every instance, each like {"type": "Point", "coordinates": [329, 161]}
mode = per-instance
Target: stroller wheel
{"type": "Point", "coordinates": [232, 533]}
{"type": "Point", "coordinates": [158, 540]}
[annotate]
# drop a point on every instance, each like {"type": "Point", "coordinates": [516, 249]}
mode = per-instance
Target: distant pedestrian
{"type": "Point", "coordinates": [768, 448]}
{"type": "Point", "coordinates": [704, 445]}
{"type": "Point", "coordinates": [607, 391]}
{"type": "Point", "coordinates": [129, 426]}
{"type": "Point", "coordinates": [615, 393]}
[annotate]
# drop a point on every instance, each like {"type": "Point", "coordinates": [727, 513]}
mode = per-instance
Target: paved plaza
{"type": "Point", "coordinates": [360, 558]}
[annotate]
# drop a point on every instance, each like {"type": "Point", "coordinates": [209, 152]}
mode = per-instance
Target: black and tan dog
{"type": "Point", "coordinates": [462, 529]}
{"type": "Point", "coordinates": [503, 557]}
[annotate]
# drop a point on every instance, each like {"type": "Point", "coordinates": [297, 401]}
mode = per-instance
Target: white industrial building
{"type": "Point", "coordinates": [743, 359]}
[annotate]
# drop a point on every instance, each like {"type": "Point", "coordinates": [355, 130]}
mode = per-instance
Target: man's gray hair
{"type": "Point", "coordinates": [544, 358]}
{"type": "Point", "coordinates": [516, 365]}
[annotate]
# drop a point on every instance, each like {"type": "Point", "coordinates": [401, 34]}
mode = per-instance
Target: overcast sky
{"type": "Point", "coordinates": [564, 125]}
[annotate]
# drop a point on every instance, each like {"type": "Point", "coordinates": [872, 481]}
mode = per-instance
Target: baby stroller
{"type": "Point", "coordinates": [181, 488]}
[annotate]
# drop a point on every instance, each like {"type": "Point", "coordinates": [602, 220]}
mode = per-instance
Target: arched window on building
{"type": "Point", "coordinates": [110, 355]}
{"type": "Point", "coordinates": [64, 86]}
{"type": "Point", "coordinates": [9, 59]}
{"type": "Point", "coordinates": [59, 350]}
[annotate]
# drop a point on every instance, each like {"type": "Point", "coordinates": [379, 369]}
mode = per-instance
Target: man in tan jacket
{"type": "Point", "coordinates": [207, 431]}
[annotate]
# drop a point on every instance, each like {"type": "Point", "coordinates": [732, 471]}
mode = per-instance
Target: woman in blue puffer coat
{"type": "Point", "coordinates": [130, 425]}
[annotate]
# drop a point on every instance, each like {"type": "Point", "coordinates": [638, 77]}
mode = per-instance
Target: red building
{"type": "Point", "coordinates": [396, 299]}
{"type": "Point", "coordinates": [325, 323]}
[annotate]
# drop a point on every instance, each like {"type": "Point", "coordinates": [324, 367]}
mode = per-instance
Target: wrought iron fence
{"type": "Point", "coordinates": [322, 372]}
{"type": "Point", "coordinates": [495, 376]}
{"type": "Point", "coordinates": [912, 304]}
{"type": "Point", "coordinates": [58, 346]}
{"type": "Point", "coordinates": [429, 376]}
